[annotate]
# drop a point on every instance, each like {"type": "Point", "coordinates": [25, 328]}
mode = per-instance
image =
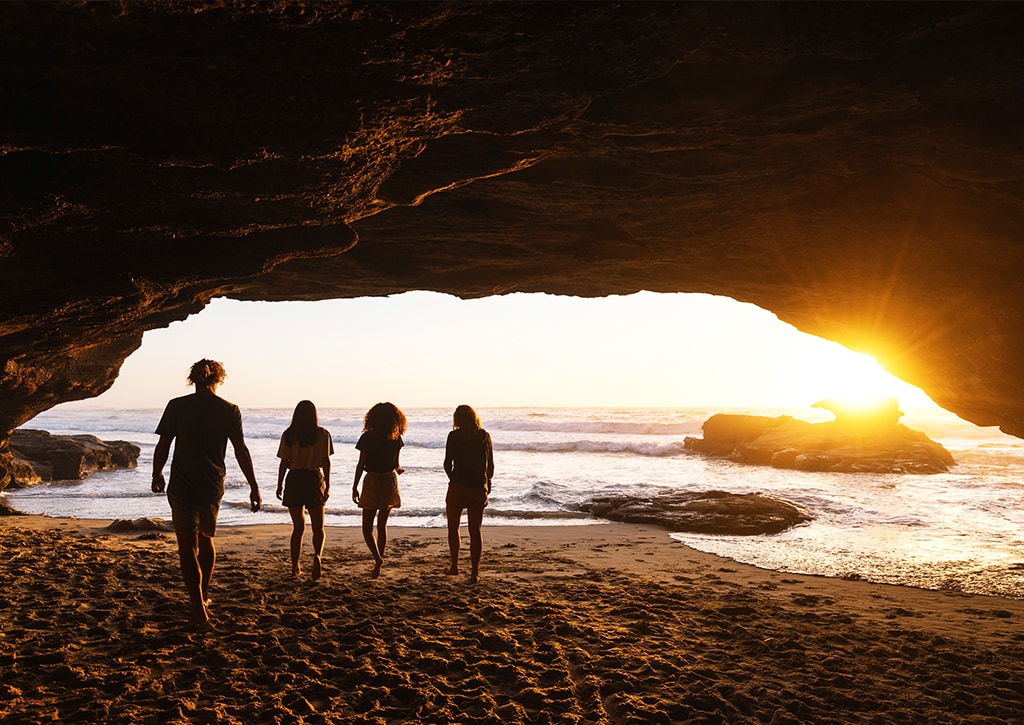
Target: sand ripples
{"type": "Point", "coordinates": [93, 633]}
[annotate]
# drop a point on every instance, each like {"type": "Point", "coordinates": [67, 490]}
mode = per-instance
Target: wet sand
{"type": "Point", "coordinates": [610, 623]}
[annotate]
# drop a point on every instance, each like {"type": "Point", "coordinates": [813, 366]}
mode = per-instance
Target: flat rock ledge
{"type": "Point", "coordinates": [141, 524]}
{"type": "Point", "coordinates": [703, 512]}
{"type": "Point", "coordinates": [837, 446]}
{"type": "Point", "coordinates": [39, 456]}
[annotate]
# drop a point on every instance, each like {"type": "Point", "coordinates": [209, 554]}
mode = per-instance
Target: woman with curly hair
{"type": "Point", "coordinates": [378, 448]}
{"type": "Point", "coordinates": [305, 452]}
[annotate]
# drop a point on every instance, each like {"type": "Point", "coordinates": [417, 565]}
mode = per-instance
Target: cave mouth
{"type": "Point", "coordinates": [426, 349]}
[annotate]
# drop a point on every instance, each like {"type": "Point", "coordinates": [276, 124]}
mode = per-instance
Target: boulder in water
{"type": "Point", "coordinates": [860, 440]}
{"type": "Point", "coordinates": [41, 456]}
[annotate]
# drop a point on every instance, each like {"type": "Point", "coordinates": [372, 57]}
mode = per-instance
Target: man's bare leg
{"type": "Point", "coordinates": [188, 555]}
{"type": "Point", "coordinates": [207, 558]}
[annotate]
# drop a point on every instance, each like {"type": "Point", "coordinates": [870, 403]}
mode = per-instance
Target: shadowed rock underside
{"type": "Point", "coordinates": [854, 168]}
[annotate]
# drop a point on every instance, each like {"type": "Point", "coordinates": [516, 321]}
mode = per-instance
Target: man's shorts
{"type": "Point", "coordinates": [188, 519]}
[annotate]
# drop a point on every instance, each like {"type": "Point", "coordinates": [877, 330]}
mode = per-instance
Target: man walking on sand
{"type": "Point", "coordinates": [202, 423]}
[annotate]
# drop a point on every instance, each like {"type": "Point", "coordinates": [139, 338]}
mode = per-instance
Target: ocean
{"type": "Point", "coordinates": [961, 531]}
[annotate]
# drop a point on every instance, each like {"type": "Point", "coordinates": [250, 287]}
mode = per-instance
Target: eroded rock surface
{"type": "Point", "coordinates": [704, 512]}
{"type": "Point", "coordinates": [855, 168]}
{"type": "Point", "coordinates": [41, 456]}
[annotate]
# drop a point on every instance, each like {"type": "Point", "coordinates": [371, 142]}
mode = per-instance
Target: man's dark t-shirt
{"type": "Point", "coordinates": [201, 425]}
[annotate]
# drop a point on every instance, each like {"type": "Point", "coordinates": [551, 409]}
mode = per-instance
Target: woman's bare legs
{"type": "Point", "coordinates": [371, 543]}
{"type": "Point", "coordinates": [382, 533]}
{"type": "Point", "coordinates": [316, 522]}
{"type": "Point", "coordinates": [474, 520]}
{"type": "Point", "coordinates": [454, 515]}
{"type": "Point", "coordinates": [298, 528]}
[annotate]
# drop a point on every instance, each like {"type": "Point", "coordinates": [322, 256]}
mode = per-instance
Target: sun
{"type": "Point", "coordinates": [856, 379]}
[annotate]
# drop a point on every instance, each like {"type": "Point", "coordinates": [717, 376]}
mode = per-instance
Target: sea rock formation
{"type": "Point", "coordinates": [144, 523]}
{"type": "Point", "coordinates": [869, 441]}
{"type": "Point", "coordinates": [856, 168]}
{"type": "Point", "coordinates": [703, 512]}
{"type": "Point", "coordinates": [41, 456]}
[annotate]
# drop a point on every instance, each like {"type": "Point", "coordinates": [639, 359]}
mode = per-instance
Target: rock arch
{"type": "Point", "coordinates": [855, 168]}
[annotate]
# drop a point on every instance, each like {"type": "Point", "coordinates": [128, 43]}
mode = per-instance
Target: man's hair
{"type": "Point", "coordinates": [206, 372]}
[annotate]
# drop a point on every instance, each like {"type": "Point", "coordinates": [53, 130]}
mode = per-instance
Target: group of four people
{"type": "Point", "coordinates": [202, 423]}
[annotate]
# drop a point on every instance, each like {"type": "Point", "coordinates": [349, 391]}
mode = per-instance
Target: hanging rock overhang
{"type": "Point", "coordinates": [855, 168]}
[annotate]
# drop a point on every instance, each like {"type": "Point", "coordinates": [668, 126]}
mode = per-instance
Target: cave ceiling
{"type": "Point", "coordinates": [854, 168]}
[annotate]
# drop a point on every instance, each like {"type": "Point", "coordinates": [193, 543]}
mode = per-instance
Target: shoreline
{"type": "Point", "coordinates": [611, 621]}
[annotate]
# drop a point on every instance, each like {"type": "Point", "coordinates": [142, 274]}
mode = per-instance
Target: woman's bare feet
{"type": "Point", "coordinates": [452, 570]}
{"type": "Point", "coordinates": [318, 568]}
{"type": "Point", "coordinates": [376, 569]}
{"type": "Point", "coordinates": [474, 578]}
{"type": "Point", "coordinates": [296, 571]}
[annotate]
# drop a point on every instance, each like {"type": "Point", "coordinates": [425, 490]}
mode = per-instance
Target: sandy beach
{"type": "Point", "coordinates": [610, 623]}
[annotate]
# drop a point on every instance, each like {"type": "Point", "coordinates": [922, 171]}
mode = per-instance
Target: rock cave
{"type": "Point", "coordinates": [856, 168]}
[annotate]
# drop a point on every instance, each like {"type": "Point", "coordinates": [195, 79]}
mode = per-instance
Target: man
{"type": "Point", "coordinates": [203, 423]}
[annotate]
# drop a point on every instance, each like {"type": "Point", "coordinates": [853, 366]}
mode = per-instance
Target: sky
{"type": "Point", "coordinates": [424, 349]}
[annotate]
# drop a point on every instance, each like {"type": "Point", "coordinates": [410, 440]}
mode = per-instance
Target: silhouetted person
{"type": "Point", "coordinates": [305, 452]}
{"type": "Point", "coordinates": [469, 463]}
{"type": "Point", "coordinates": [201, 424]}
{"type": "Point", "coordinates": [379, 446]}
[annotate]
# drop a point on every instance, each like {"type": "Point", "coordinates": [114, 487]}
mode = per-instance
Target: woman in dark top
{"type": "Point", "coordinates": [378, 447]}
{"type": "Point", "coordinates": [469, 463]}
{"type": "Point", "coordinates": [305, 452]}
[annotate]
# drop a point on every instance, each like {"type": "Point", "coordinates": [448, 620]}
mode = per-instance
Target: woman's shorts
{"type": "Point", "coordinates": [304, 487]}
{"type": "Point", "coordinates": [466, 497]}
{"type": "Point", "coordinates": [380, 491]}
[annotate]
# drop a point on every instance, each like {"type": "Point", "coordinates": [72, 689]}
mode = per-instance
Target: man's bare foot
{"type": "Point", "coordinates": [198, 623]}
{"type": "Point", "coordinates": [296, 572]}
{"type": "Point", "coordinates": [451, 571]}
{"type": "Point", "coordinates": [318, 568]}
{"type": "Point", "coordinates": [376, 569]}
{"type": "Point", "coordinates": [474, 578]}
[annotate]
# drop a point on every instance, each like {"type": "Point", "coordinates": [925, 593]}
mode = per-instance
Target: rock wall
{"type": "Point", "coordinates": [854, 167]}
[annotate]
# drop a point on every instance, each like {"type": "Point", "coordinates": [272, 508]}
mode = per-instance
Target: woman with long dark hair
{"type": "Point", "coordinates": [378, 447]}
{"type": "Point", "coordinates": [469, 463]}
{"type": "Point", "coordinates": [305, 452]}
